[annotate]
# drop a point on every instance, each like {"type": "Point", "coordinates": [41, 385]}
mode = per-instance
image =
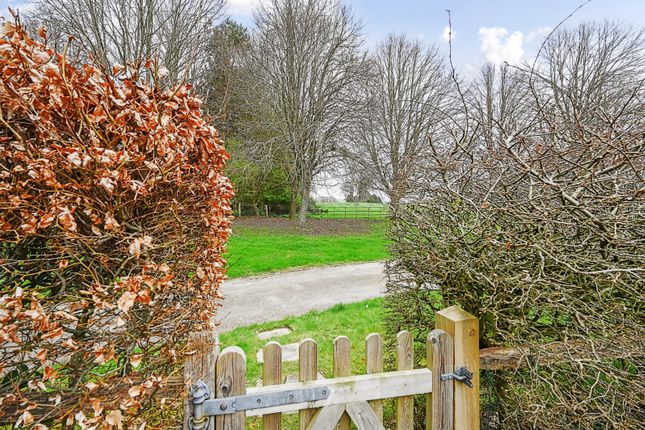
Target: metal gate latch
{"type": "Point", "coordinates": [461, 374]}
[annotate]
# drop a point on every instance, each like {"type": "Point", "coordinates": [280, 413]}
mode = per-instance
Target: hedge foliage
{"type": "Point", "coordinates": [533, 219]}
{"type": "Point", "coordinates": [113, 217]}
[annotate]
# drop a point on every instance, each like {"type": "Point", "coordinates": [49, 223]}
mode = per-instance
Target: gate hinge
{"type": "Point", "coordinates": [461, 374]}
{"type": "Point", "coordinates": [231, 405]}
{"type": "Point", "coordinates": [204, 406]}
{"type": "Point", "coordinates": [199, 393]}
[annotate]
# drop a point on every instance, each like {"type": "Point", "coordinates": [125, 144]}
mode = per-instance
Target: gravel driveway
{"type": "Point", "coordinates": [272, 297]}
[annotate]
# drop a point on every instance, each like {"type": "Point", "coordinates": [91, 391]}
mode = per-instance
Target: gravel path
{"type": "Point", "coordinates": [276, 296]}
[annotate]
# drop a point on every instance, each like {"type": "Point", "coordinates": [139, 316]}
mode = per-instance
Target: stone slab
{"type": "Point", "coordinates": [274, 333]}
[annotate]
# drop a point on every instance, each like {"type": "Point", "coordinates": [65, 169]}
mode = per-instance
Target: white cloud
{"type": "Point", "coordinates": [470, 72]}
{"type": "Point", "coordinates": [540, 32]}
{"type": "Point", "coordinates": [243, 7]}
{"type": "Point", "coordinates": [448, 34]}
{"type": "Point", "coordinates": [497, 45]}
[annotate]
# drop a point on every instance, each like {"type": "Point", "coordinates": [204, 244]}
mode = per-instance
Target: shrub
{"type": "Point", "coordinates": [114, 214]}
{"type": "Point", "coordinates": [533, 221]}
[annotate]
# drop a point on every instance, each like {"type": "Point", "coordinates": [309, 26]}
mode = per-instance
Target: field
{"type": "Point", "coordinates": [343, 210]}
{"type": "Point", "coordinates": [267, 245]}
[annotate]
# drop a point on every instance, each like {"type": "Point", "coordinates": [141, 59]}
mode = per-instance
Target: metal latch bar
{"type": "Point", "coordinates": [231, 405]}
{"type": "Point", "coordinates": [461, 374]}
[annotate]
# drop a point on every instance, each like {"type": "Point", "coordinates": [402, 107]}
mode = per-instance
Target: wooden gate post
{"type": "Point", "coordinates": [464, 329]}
{"type": "Point", "coordinates": [203, 349]}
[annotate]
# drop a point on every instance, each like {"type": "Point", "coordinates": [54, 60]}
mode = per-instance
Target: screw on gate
{"type": "Point", "coordinates": [199, 393]}
{"type": "Point", "coordinates": [461, 374]}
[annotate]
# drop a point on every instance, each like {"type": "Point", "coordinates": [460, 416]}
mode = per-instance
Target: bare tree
{"type": "Point", "coordinates": [224, 74]}
{"type": "Point", "coordinates": [307, 56]}
{"type": "Point", "coordinates": [401, 106]}
{"type": "Point", "coordinates": [125, 31]}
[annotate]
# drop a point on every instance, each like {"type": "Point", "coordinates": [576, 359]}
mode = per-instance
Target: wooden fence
{"type": "Point", "coordinates": [201, 364]}
{"type": "Point", "coordinates": [334, 212]}
{"type": "Point", "coordinates": [221, 400]}
{"type": "Point", "coordinates": [352, 212]}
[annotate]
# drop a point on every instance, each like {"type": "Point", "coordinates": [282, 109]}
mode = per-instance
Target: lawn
{"type": "Point", "coordinates": [355, 321]}
{"type": "Point", "coordinates": [275, 245]}
{"type": "Point", "coordinates": [343, 210]}
{"type": "Point", "coordinates": [337, 205]}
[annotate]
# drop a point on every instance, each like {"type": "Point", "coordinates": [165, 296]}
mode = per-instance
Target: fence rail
{"type": "Point", "coordinates": [450, 381]}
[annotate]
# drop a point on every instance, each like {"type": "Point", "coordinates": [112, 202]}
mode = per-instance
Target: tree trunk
{"type": "Point", "coordinates": [304, 204]}
{"type": "Point", "coordinates": [293, 208]}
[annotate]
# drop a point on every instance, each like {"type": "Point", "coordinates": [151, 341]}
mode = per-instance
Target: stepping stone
{"type": "Point", "coordinates": [274, 333]}
{"type": "Point", "coordinates": [289, 353]}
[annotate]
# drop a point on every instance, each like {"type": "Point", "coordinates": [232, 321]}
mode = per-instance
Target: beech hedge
{"type": "Point", "coordinates": [114, 212]}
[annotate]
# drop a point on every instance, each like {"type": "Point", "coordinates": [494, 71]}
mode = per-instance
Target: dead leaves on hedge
{"type": "Point", "coordinates": [111, 197]}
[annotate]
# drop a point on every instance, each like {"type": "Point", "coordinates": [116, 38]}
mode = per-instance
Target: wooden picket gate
{"type": "Point", "coordinates": [220, 399]}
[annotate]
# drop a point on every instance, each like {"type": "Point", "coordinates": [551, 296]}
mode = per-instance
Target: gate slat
{"type": "Point", "coordinates": [429, 365]}
{"type": "Point", "coordinates": [404, 361]}
{"type": "Point", "coordinates": [374, 364]}
{"type": "Point", "coordinates": [272, 375]}
{"type": "Point", "coordinates": [231, 381]}
{"type": "Point", "coordinates": [342, 367]}
{"type": "Point", "coordinates": [308, 363]}
{"type": "Point", "coordinates": [442, 391]}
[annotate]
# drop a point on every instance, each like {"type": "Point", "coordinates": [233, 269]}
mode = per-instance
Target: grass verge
{"type": "Point", "coordinates": [255, 250]}
{"type": "Point", "coordinates": [355, 320]}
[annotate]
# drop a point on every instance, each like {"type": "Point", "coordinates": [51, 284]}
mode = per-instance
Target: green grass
{"type": "Point", "coordinates": [355, 320]}
{"type": "Point", "coordinates": [336, 210]}
{"type": "Point", "coordinates": [255, 251]}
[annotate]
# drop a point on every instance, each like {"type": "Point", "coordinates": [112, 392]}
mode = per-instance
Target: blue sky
{"type": "Point", "coordinates": [484, 30]}
{"type": "Point", "coordinates": [492, 30]}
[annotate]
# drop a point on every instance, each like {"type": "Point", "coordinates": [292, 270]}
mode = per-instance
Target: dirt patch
{"type": "Point", "coordinates": [313, 227]}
